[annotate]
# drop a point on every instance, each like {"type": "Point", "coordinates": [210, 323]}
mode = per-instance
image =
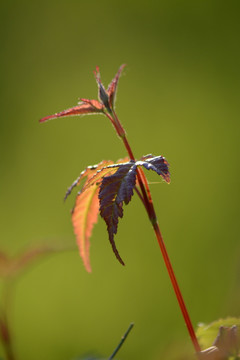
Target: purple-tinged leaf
{"type": "Point", "coordinates": [117, 189]}
{"type": "Point", "coordinates": [111, 185]}
{"type": "Point", "coordinates": [86, 208]}
{"type": "Point", "coordinates": [156, 163]}
{"type": "Point", "coordinates": [114, 190]}
{"type": "Point", "coordinates": [109, 168]}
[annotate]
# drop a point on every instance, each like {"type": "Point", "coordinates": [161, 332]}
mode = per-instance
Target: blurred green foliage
{"type": "Point", "coordinates": [207, 333]}
{"type": "Point", "coordinates": [179, 97]}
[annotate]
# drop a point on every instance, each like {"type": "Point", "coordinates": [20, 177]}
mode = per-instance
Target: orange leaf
{"type": "Point", "coordinates": [84, 216]}
{"type": "Point", "coordinates": [86, 209]}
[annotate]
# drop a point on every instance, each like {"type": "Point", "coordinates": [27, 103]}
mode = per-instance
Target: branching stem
{"type": "Point", "coordinates": [148, 203]}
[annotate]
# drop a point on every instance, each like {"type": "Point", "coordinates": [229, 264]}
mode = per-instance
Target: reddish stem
{"type": "Point", "coordinates": [121, 132]}
{"type": "Point", "coordinates": [141, 197]}
{"type": "Point", "coordinates": [5, 333]}
{"type": "Point", "coordinates": [148, 203]}
{"type": "Point", "coordinates": [176, 287]}
{"type": "Point", "coordinates": [6, 338]}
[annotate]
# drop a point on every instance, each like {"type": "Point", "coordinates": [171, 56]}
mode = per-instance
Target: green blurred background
{"type": "Point", "coordinates": [178, 97]}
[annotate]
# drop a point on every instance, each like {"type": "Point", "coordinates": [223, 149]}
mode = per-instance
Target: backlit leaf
{"type": "Point", "coordinates": [112, 88]}
{"type": "Point", "coordinates": [113, 185]}
{"type": "Point", "coordinates": [102, 93]}
{"type": "Point", "coordinates": [106, 167]}
{"type": "Point", "coordinates": [85, 174]}
{"type": "Point", "coordinates": [94, 103]}
{"type": "Point", "coordinates": [117, 188]}
{"type": "Point", "coordinates": [85, 107]}
{"type": "Point", "coordinates": [85, 211]}
{"type": "Point", "coordinates": [84, 216]}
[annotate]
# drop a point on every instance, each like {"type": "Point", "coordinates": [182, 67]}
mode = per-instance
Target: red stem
{"type": "Point", "coordinates": [141, 197]}
{"type": "Point", "coordinates": [176, 288]}
{"type": "Point", "coordinates": [5, 333]}
{"type": "Point", "coordinates": [148, 203]}
{"type": "Point", "coordinates": [6, 339]}
{"type": "Point", "coordinates": [121, 132]}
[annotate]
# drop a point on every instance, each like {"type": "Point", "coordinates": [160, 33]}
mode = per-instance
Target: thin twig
{"type": "Point", "coordinates": [122, 341]}
{"type": "Point", "coordinates": [141, 197]}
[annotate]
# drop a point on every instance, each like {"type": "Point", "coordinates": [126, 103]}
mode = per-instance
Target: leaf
{"type": "Point", "coordinates": [224, 337]}
{"type": "Point", "coordinates": [84, 107]}
{"type": "Point", "coordinates": [85, 211]}
{"type": "Point", "coordinates": [87, 173]}
{"type": "Point", "coordinates": [112, 87]}
{"type": "Point", "coordinates": [84, 217]}
{"type": "Point", "coordinates": [118, 188]}
{"type": "Point", "coordinates": [114, 190]}
{"type": "Point", "coordinates": [95, 173]}
{"type": "Point", "coordinates": [208, 333]}
{"type": "Point", "coordinates": [158, 164]}
{"type": "Point", "coordinates": [113, 185]}
{"type": "Point", "coordinates": [211, 353]}
{"type": "Point", "coordinates": [94, 103]}
{"type": "Point", "coordinates": [102, 93]}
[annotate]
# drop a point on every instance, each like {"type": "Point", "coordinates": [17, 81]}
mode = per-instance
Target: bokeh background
{"type": "Point", "coordinates": [178, 97]}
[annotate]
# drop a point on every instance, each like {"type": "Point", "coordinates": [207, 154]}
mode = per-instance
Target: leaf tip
{"type": "Point", "coordinates": [86, 261]}
{"type": "Point", "coordinates": [44, 119]}
{"type": "Point", "coordinates": [87, 267]}
{"type": "Point", "coordinates": [115, 250]}
{"type": "Point", "coordinates": [96, 73]}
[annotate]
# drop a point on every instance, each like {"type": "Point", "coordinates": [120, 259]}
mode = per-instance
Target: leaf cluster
{"type": "Point", "coordinates": [107, 187]}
